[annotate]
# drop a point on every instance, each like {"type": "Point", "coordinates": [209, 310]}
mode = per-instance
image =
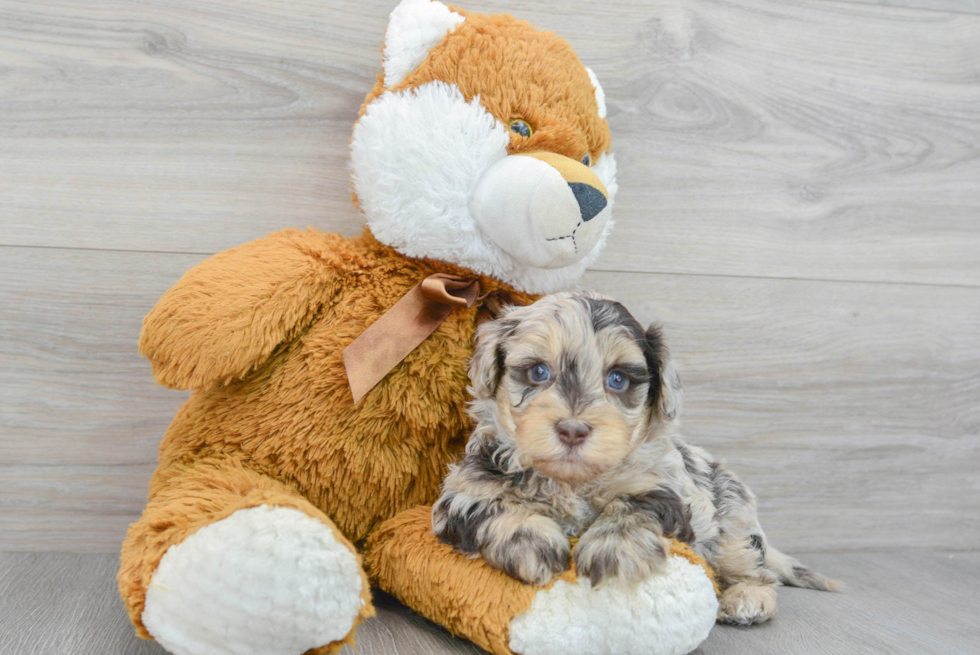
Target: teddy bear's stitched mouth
{"type": "Point", "coordinates": [569, 236]}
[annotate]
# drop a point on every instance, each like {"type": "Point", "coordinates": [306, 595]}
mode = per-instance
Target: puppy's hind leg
{"type": "Point", "coordinates": [748, 587]}
{"type": "Point", "coordinates": [749, 571]}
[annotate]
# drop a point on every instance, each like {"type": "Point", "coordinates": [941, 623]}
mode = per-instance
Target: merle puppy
{"type": "Point", "coordinates": [576, 436]}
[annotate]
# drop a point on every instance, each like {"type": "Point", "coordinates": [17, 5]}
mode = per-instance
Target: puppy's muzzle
{"type": "Point", "coordinates": [544, 209]}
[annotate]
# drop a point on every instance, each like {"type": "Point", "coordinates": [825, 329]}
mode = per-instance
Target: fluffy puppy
{"type": "Point", "coordinates": [576, 436]}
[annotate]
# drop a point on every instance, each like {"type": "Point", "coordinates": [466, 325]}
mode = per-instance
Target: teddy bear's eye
{"type": "Point", "coordinates": [587, 160]}
{"type": "Point", "coordinates": [521, 127]}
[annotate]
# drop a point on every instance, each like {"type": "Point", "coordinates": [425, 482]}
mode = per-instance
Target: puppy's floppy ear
{"type": "Point", "coordinates": [487, 365]}
{"type": "Point", "coordinates": [671, 391]}
{"type": "Point", "coordinates": [666, 391]}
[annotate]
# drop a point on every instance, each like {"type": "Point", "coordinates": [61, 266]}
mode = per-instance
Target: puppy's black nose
{"type": "Point", "coordinates": [572, 433]}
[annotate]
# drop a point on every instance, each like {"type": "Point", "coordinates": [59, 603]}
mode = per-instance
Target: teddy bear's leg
{"type": "Point", "coordinates": [667, 614]}
{"type": "Point", "coordinates": [226, 560]}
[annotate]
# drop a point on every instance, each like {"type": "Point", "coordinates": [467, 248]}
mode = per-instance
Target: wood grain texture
{"type": "Point", "coordinates": [896, 603]}
{"type": "Point", "coordinates": [80, 416]}
{"type": "Point", "coordinates": [72, 507]}
{"type": "Point", "coordinates": [850, 408]}
{"type": "Point", "coordinates": [955, 6]}
{"type": "Point", "coordinates": [67, 603]}
{"type": "Point", "coordinates": [813, 139]}
{"type": "Point", "coordinates": [799, 140]}
{"type": "Point", "coordinates": [55, 604]}
{"type": "Point", "coordinates": [138, 125]}
{"type": "Point", "coordinates": [73, 384]}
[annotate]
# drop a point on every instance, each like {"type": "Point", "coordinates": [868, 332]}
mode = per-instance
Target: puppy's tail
{"type": "Point", "coordinates": [792, 573]}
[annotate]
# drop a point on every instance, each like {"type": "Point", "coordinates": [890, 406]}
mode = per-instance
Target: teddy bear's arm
{"type": "Point", "coordinates": [405, 558]}
{"type": "Point", "coordinates": [227, 314]}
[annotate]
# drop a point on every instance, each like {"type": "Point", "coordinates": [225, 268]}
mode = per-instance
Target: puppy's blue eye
{"type": "Point", "coordinates": [540, 373]}
{"type": "Point", "coordinates": [616, 380]}
{"type": "Point", "coordinates": [587, 160]}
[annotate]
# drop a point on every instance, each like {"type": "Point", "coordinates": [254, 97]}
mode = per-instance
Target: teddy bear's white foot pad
{"type": "Point", "coordinates": [668, 614]}
{"type": "Point", "coordinates": [264, 581]}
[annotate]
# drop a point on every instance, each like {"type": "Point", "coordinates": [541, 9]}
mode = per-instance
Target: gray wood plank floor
{"type": "Point", "coordinates": [900, 602]}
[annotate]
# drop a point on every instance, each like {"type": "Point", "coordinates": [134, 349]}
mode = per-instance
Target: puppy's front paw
{"type": "Point", "coordinates": [533, 552]}
{"type": "Point", "coordinates": [630, 553]}
{"type": "Point", "coordinates": [744, 604]}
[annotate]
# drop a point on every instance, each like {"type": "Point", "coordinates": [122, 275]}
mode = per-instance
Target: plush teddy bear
{"type": "Point", "coordinates": [329, 373]}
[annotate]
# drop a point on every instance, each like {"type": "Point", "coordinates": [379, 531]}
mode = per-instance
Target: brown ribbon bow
{"type": "Point", "coordinates": [400, 330]}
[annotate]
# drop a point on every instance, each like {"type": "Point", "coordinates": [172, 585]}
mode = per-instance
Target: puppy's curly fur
{"type": "Point", "coordinates": [576, 410]}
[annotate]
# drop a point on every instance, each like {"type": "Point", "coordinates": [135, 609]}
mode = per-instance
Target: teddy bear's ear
{"type": "Point", "coordinates": [414, 28]}
{"type": "Point", "coordinates": [600, 95]}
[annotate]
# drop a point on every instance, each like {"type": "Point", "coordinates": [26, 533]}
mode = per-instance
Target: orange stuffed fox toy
{"type": "Point", "coordinates": [482, 154]}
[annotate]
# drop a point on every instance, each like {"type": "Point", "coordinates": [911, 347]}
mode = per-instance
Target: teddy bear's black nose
{"type": "Point", "coordinates": [590, 199]}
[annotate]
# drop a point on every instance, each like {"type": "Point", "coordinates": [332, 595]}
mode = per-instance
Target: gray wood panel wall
{"type": "Point", "coordinates": [799, 206]}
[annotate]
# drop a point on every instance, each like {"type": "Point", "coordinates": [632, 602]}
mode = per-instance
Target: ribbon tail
{"type": "Point", "coordinates": [401, 329]}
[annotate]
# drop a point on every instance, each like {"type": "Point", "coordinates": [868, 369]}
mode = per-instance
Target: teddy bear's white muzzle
{"type": "Point", "coordinates": [545, 210]}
